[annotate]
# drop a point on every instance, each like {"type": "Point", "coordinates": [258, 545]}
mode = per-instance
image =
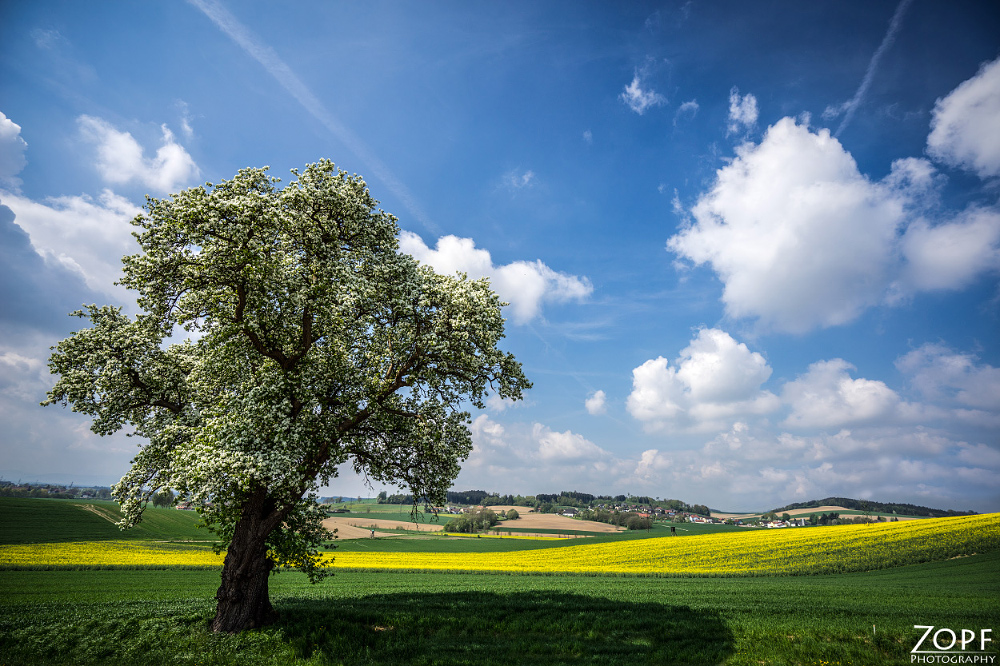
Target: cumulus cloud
{"type": "Point", "coordinates": [35, 294]}
{"type": "Point", "coordinates": [951, 255]}
{"type": "Point", "coordinates": [714, 378]}
{"type": "Point", "coordinates": [638, 99]}
{"type": "Point", "coordinates": [742, 111]}
{"type": "Point", "coordinates": [120, 158]}
{"type": "Point", "coordinates": [802, 240]}
{"type": "Point", "coordinates": [965, 125]}
{"type": "Point", "coordinates": [798, 236]}
{"type": "Point", "coordinates": [80, 234]}
{"type": "Point", "coordinates": [595, 403]}
{"type": "Point", "coordinates": [944, 375]}
{"type": "Point", "coordinates": [531, 456]}
{"type": "Point", "coordinates": [826, 396]}
{"type": "Point", "coordinates": [496, 404]}
{"type": "Point", "coordinates": [12, 148]}
{"type": "Point", "coordinates": [526, 285]}
{"type": "Point", "coordinates": [565, 447]}
{"type": "Point", "coordinates": [54, 443]}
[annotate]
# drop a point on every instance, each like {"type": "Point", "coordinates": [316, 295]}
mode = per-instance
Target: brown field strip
{"type": "Point", "coordinates": [360, 528]}
{"type": "Point", "coordinates": [551, 521]}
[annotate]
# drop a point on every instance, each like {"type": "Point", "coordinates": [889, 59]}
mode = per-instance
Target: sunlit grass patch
{"type": "Point", "coordinates": [502, 536]}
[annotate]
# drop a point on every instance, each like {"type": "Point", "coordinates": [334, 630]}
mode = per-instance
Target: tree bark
{"type": "Point", "coordinates": [243, 601]}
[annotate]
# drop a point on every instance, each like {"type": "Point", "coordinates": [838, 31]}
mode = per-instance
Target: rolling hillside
{"type": "Point", "coordinates": [27, 520]}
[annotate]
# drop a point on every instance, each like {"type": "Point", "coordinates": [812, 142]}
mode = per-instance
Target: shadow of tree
{"type": "Point", "coordinates": [543, 628]}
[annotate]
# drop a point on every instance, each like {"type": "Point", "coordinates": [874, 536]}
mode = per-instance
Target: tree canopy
{"type": "Point", "coordinates": [311, 344]}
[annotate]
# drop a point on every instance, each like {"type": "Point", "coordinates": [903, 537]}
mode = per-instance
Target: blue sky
{"type": "Point", "coordinates": [751, 250]}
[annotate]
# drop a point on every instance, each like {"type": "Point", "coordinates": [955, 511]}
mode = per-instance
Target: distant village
{"type": "Point", "coordinates": [624, 510]}
{"type": "Point", "coordinates": [53, 491]}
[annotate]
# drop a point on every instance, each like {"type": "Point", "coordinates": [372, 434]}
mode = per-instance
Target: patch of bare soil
{"type": "Point", "coordinates": [361, 528]}
{"type": "Point", "coordinates": [552, 521]}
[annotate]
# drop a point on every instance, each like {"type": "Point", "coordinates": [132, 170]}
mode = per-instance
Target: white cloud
{"type": "Point", "coordinates": [12, 148]}
{"type": "Point", "coordinates": [565, 447]}
{"type": "Point", "coordinates": [120, 158]}
{"type": "Point", "coordinates": [185, 112]}
{"type": "Point", "coordinates": [83, 235]}
{"type": "Point", "coordinates": [953, 254]}
{"type": "Point", "coordinates": [651, 465]}
{"type": "Point", "coordinates": [713, 379]}
{"type": "Point", "coordinates": [688, 109]}
{"type": "Point", "coordinates": [946, 376]}
{"type": "Point", "coordinates": [497, 405]}
{"type": "Point", "coordinates": [515, 180]}
{"type": "Point", "coordinates": [48, 443]}
{"type": "Point", "coordinates": [640, 100]}
{"type": "Point", "coordinates": [742, 111]}
{"type": "Point", "coordinates": [525, 285]}
{"type": "Point", "coordinates": [595, 403]}
{"type": "Point", "coordinates": [827, 397]}
{"type": "Point", "coordinates": [749, 465]}
{"type": "Point", "coordinates": [801, 239]}
{"type": "Point", "coordinates": [965, 127]}
{"type": "Point", "coordinates": [528, 458]}
{"type": "Point", "coordinates": [979, 455]}
{"type": "Point", "coordinates": [588, 136]}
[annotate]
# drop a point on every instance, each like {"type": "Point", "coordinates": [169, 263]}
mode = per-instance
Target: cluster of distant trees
{"type": "Point", "coordinates": [469, 497]}
{"type": "Point", "coordinates": [835, 518]}
{"type": "Point", "coordinates": [164, 498]}
{"type": "Point", "coordinates": [479, 519]}
{"type": "Point", "coordinates": [548, 502]}
{"type": "Point", "coordinates": [877, 507]}
{"type": "Point", "coordinates": [832, 518]}
{"type": "Point", "coordinates": [629, 521]}
{"type": "Point", "coordinates": [53, 491]}
{"type": "Point", "coordinates": [474, 521]}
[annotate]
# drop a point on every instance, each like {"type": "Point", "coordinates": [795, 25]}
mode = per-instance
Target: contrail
{"type": "Point", "coordinates": [850, 106]}
{"type": "Point", "coordinates": [284, 75]}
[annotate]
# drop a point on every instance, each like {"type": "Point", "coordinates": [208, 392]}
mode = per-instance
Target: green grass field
{"type": "Point", "coordinates": [58, 521]}
{"type": "Point", "coordinates": [160, 617]}
{"type": "Point", "coordinates": [125, 617]}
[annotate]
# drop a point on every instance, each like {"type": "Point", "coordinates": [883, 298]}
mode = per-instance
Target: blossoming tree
{"type": "Point", "coordinates": [313, 344]}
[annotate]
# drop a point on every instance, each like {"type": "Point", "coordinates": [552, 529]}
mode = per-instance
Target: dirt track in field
{"type": "Point", "coordinates": [103, 513]}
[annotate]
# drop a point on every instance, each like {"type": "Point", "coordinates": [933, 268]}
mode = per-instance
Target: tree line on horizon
{"type": "Point", "coordinates": [877, 507]}
{"type": "Point", "coordinates": [548, 502]}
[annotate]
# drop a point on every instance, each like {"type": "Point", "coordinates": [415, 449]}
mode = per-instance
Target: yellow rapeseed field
{"type": "Point", "coordinates": [107, 553]}
{"type": "Point", "coordinates": [784, 551]}
{"type": "Point", "coordinates": [771, 552]}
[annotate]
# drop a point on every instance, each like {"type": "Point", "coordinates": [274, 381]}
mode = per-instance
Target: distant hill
{"type": "Point", "coordinates": [875, 507]}
{"type": "Point", "coordinates": [33, 520]}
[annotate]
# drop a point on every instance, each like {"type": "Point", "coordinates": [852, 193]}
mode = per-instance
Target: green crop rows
{"type": "Point", "coordinates": [125, 617]}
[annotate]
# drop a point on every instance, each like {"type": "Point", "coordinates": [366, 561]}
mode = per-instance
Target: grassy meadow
{"type": "Point", "coordinates": [121, 615]}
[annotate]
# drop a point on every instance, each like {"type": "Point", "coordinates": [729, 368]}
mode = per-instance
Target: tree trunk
{"type": "Point", "coordinates": [243, 599]}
